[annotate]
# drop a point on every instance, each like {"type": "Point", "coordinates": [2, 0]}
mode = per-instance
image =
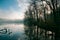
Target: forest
{"type": "Point", "coordinates": [44, 15]}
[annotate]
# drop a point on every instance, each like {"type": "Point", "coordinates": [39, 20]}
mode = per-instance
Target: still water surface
{"type": "Point", "coordinates": [22, 32]}
{"type": "Point", "coordinates": [12, 32]}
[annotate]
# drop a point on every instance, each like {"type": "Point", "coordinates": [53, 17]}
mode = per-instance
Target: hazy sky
{"type": "Point", "coordinates": [13, 9]}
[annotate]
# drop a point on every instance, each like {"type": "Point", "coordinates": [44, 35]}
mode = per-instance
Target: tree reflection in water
{"type": "Point", "coordinates": [31, 33]}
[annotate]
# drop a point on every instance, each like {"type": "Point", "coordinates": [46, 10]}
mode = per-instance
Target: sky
{"type": "Point", "coordinates": [13, 9]}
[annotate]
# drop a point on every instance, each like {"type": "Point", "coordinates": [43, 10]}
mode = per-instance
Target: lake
{"type": "Point", "coordinates": [14, 31]}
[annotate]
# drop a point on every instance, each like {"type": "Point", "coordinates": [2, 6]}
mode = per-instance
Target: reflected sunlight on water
{"type": "Point", "coordinates": [17, 31]}
{"type": "Point", "coordinates": [13, 27]}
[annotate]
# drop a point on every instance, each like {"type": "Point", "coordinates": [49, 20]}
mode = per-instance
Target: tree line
{"type": "Point", "coordinates": [44, 14]}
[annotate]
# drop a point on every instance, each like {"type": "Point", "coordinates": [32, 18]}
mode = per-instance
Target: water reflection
{"type": "Point", "coordinates": [24, 32]}
{"type": "Point", "coordinates": [11, 31]}
{"type": "Point", "coordinates": [32, 34]}
{"type": "Point", "coordinates": [5, 31]}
